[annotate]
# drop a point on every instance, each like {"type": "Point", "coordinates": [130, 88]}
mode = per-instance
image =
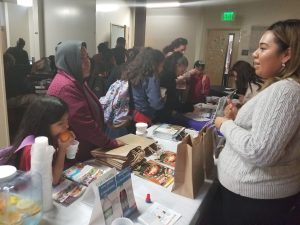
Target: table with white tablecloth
{"type": "Point", "coordinates": [191, 210]}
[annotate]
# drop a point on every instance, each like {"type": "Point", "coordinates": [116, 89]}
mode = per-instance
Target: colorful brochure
{"type": "Point", "coordinates": [155, 172]}
{"type": "Point", "coordinates": [83, 174]}
{"type": "Point", "coordinates": [67, 192]}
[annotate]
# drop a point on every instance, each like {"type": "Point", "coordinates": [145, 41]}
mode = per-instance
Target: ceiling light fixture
{"type": "Point", "coordinates": [107, 7]}
{"type": "Point", "coordinates": [163, 5]}
{"type": "Point", "coordinates": [26, 3]}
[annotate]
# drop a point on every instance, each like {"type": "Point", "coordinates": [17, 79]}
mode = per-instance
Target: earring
{"type": "Point", "coordinates": [283, 65]}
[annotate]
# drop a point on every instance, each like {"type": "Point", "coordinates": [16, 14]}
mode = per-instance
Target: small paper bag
{"type": "Point", "coordinates": [189, 173]}
{"type": "Point", "coordinates": [208, 134]}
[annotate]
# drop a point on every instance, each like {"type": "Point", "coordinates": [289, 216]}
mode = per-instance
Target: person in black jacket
{"type": "Point", "coordinates": [174, 66]}
{"type": "Point", "coordinates": [18, 52]}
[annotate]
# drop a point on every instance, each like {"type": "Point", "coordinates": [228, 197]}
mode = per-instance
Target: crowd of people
{"type": "Point", "coordinates": [259, 167]}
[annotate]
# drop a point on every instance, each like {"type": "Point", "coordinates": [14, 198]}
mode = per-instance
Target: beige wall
{"type": "Point", "coordinates": [165, 25]}
{"type": "Point", "coordinates": [17, 20]}
{"type": "Point", "coordinates": [2, 14]}
{"type": "Point", "coordinates": [123, 16]}
{"type": "Point", "coordinates": [262, 13]}
{"type": "Point", "coordinates": [69, 20]}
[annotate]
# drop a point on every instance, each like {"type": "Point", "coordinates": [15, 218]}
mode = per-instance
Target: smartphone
{"type": "Point", "coordinates": [220, 107]}
{"type": "Point", "coordinates": [231, 95]}
{"type": "Point", "coordinates": [222, 103]}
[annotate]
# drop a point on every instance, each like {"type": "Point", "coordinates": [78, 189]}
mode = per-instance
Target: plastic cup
{"type": "Point", "coordinates": [72, 150]}
{"type": "Point", "coordinates": [141, 127]}
{"type": "Point", "coordinates": [122, 221]}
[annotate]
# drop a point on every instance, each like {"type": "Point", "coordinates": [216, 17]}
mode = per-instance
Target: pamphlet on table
{"type": "Point", "coordinates": [113, 197]}
{"type": "Point", "coordinates": [67, 192]}
{"type": "Point", "coordinates": [158, 214]}
{"type": "Point", "coordinates": [155, 172]}
{"type": "Point", "coordinates": [83, 174]}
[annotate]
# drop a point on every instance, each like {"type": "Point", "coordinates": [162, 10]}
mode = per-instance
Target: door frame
{"type": "Point", "coordinates": [235, 51]}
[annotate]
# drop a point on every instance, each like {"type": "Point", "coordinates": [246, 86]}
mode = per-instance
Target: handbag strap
{"type": "Point", "coordinates": [29, 140]}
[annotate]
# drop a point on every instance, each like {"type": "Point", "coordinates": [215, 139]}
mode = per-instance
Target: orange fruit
{"type": "Point", "coordinates": [64, 136]}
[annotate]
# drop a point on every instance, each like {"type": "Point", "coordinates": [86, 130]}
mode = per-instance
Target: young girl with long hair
{"type": "Point", "coordinates": [47, 116]}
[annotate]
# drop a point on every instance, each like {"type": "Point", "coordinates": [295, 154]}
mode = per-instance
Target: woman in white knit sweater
{"type": "Point", "coordinates": [259, 167]}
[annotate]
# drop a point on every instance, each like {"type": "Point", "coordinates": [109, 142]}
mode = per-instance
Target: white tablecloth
{"type": "Point", "coordinates": [190, 209]}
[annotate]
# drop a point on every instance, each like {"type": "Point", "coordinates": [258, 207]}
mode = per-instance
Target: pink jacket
{"type": "Point", "coordinates": [82, 115]}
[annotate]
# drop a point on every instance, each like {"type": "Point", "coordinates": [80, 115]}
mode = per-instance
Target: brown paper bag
{"type": "Point", "coordinates": [208, 135]}
{"type": "Point", "coordinates": [189, 173]}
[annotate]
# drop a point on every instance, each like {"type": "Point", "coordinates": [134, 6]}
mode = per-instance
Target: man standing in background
{"type": "Point", "coordinates": [20, 55]}
{"type": "Point", "coordinates": [119, 51]}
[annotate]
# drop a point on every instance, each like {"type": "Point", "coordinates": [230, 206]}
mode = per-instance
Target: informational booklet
{"type": "Point", "coordinates": [83, 174]}
{"type": "Point", "coordinates": [155, 172]}
{"type": "Point", "coordinates": [67, 192]}
{"type": "Point", "coordinates": [169, 132]}
{"type": "Point", "coordinates": [110, 201]}
{"type": "Point", "coordinates": [112, 195]}
{"type": "Point", "coordinates": [158, 214]}
{"type": "Point", "coordinates": [164, 157]}
{"type": "Point", "coordinates": [123, 179]}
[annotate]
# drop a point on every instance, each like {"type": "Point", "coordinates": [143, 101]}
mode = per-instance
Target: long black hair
{"type": "Point", "coordinates": [245, 76]}
{"type": "Point", "coordinates": [40, 114]}
{"type": "Point", "coordinates": [171, 62]}
{"type": "Point", "coordinates": [175, 44]}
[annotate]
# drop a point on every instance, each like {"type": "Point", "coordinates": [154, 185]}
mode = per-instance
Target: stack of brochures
{"type": "Point", "coordinates": [67, 192]}
{"type": "Point", "coordinates": [170, 132]}
{"type": "Point", "coordinates": [74, 183]}
{"type": "Point", "coordinates": [83, 174]}
{"type": "Point", "coordinates": [130, 154]}
{"type": "Point", "coordinates": [159, 168]}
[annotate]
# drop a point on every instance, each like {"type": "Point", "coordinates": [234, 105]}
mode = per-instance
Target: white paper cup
{"type": "Point", "coordinates": [72, 150]}
{"type": "Point", "coordinates": [144, 134]}
{"type": "Point", "coordinates": [122, 221]}
{"type": "Point", "coordinates": [141, 127]}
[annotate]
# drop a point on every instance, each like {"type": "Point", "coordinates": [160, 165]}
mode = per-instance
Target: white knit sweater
{"type": "Point", "coordinates": [261, 158]}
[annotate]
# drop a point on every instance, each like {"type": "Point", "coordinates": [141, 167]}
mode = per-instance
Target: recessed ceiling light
{"type": "Point", "coordinates": [26, 3]}
{"type": "Point", "coordinates": [107, 7]}
{"type": "Point", "coordinates": [163, 5]}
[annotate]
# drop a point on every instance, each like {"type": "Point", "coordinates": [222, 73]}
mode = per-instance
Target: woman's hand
{"type": "Point", "coordinates": [120, 143]}
{"type": "Point", "coordinates": [219, 120]}
{"type": "Point", "coordinates": [193, 72]}
{"type": "Point", "coordinates": [230, 110]}
{"type": "Point", "coordinates": [60, 159]}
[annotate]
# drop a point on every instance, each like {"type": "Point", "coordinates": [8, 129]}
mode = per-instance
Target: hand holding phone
{"type": "Point", "coordinates": [231, 95]}
{"type": "Point", "coordinates": [230, 111]}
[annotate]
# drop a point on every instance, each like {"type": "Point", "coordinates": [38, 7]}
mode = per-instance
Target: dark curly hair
{"type": "Point", "coordinates": [144, 65]}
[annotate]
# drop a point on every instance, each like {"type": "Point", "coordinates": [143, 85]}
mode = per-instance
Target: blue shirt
{"type": "Point", "coordinates": [146, 96]}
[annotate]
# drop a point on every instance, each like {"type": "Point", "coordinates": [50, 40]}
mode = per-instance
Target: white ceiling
{"type": "Point", "coordinates": [184, 2]}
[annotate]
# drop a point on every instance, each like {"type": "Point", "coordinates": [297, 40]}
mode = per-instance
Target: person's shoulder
{"type": "Point", "coordinates": [61, 81]}
{"type": "Point", "coordinates": [289, 83]}
{"type": "Point", "coordinates": [286, 87]}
